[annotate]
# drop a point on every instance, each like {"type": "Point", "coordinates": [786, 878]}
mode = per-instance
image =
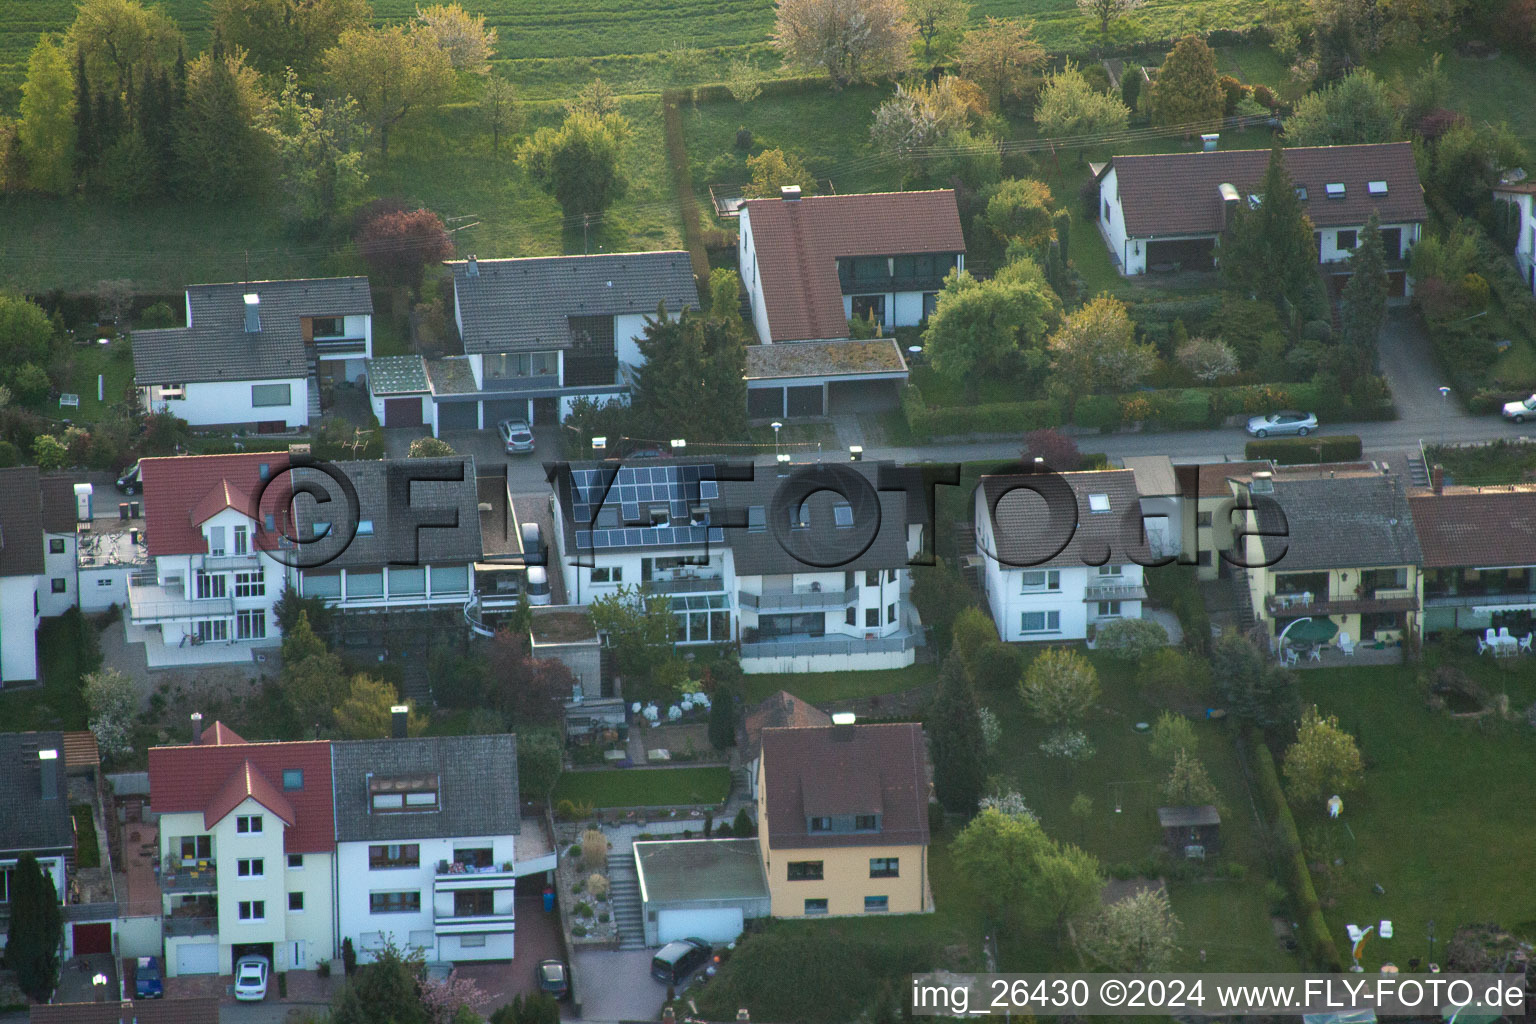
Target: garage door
{"type": "Point", "coordinates": [402, 412]}
{"type": "Point", "coordinates": [1187, 253]}
{"type": "Point", "coordinates": [721, 924]}
{"type": "Point", "coordinates": [457, 416]}
{"type": "Point", "coordinates": [495, 412]}
{"type": "Point", "coordinates": [92, 938]}
{"type": "Point", "coordinates": [198, 958]}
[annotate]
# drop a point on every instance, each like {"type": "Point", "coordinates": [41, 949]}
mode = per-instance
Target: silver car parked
{"type": "Point", "coordinates": [1285, 422]}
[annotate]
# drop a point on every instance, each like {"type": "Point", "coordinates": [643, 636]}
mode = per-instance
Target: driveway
{"type": "Point", "coordinates": [538, 938]}
{"type": "Point", "coordinates": [618, 986]}
{"type": "Point", "coordinates": [525, 472]}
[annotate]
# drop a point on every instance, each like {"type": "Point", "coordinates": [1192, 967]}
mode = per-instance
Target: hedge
{"type": "Point", "coordinates": [1316, 939]}
{"type": "Point", "coordinates": [927, 421]}
{"type": "Point", "coordinates": [1303, 451]}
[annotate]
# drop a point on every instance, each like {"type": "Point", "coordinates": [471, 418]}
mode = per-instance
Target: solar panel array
{"type": "Point", "coordinates": [629, 488]}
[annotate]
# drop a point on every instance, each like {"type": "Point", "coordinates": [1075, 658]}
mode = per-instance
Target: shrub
{"type": "Point", "coordinates": [996, 666]}
{"type": "Point", "coordinates": [1070, 744]}
{"type": "Point", "coordinates": [578, 931]}
{"type": "Point", "coordinates": [348, 957]}
{"type": "Point", "coordinates": [1300, 451]}
{"type": "Point", "coordinates": [1131, 639]}
{"type": "Point", "coordinates": [1233, 93]}
{"type": "Point", "coordinates": [1097, 412]}
{"type": "Point", "coordinates": [1057, 449]}
{"type": "Point", "coordinates": [1264, 97]}
{"type": "Point", "coordinates": [1172, 676]}
{"type": "Point", "coordinates": [583, 909]}
{"type": "Point", "coordinates": [597, 885]}
{"type": "Point", "coordinates": [594, 847]}
{"type": "Point", "coordinates": [743, 827]}
{"type": "Point", "coordinates": [744, 139]}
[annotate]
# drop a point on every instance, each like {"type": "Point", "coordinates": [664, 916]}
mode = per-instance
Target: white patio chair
{"type": "Point", "coordinates": [1291, 658]}
{"type": "Point", "coordinates": [1385, 929]}
{"type": "Point", "coordinates": [1346, 644]}
{"type": "Point", "coordinates": [1490, 636]}
{"type": "Point", "coordinates": [1316, 653]}
{"type": "Point", "coordinates": [1525, 643]}
{"type": "Point", "coordinates": [1504, 633]}
{"type": "Point", "coordinates": [1482, 647]}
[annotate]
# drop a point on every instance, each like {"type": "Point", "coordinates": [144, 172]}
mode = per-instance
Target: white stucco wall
{"type": "Point", "coordinates": [1111, 220]}
{"type": "Point", "coordinates": [59, 566]}
{"type": "Point", "coordinates": [100, 589]}
{"type": "Point", "coordinates": [747, 260]}
{"type": "Point", "coordinates": [18, 629]}
{"type": "Point", "coordinates": [216, 403]}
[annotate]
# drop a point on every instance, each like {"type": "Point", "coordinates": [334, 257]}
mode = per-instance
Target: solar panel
{"type": "Point", "coordinates": [716, 535]}
{"type": "Point", "coordinates": [651, 539]}
{"type": "Point", "coordinates": [581, 513]}
{"type": "Point", "coordinates": [583, 538]}
{"type": "Point", "coordinates": [631, 511]}
{"type": "Point", "coordinates": [600, 538]}
{"type": "Point", "coordinates": [679, 508]}
{"type": "Point", "coordinates": [709, 489]}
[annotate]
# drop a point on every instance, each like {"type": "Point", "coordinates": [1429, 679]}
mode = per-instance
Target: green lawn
{"type": "Point", "coordinates": [644, 787]}
{"type": "Point", "coordinates": [89, 850]}
{"type": "Point", "coordinates": [819, 687]}
{"type": "Point", "coordinates": [1256, 65]}
{"type": "Point", "coordinates": [114, 362]}
{"type": "Point", "coordinates": [1442, 822]}
{"type": "Point", "coordinates": [1498, 462]}
{"type": "Point", "coordinates": [63, 656]}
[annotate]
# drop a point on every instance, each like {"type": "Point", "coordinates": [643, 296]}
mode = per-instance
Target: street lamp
{"type": "Point", "coordinates": [777, 426]}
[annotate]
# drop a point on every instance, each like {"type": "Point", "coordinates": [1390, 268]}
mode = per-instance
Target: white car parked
{"type": "Point", "coordinates": [1521, 410]}
{"type": "Point", "coordinates": [251, 978]}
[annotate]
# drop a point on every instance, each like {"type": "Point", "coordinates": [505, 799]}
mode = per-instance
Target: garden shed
{"type": "Point", "coordinates": [1193, 832]}
{"type": "Point", "coordinates": [700, 888]}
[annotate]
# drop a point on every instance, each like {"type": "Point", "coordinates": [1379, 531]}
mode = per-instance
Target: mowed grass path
{"type": "Point", "coordinates": [1443, 820]}
{"type": "Point", "coordinates": [644, 787]}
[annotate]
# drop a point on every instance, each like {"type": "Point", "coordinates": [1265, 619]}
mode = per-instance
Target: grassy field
{"type": "Point", "coordinates": [818, 687]}
{"type": "Point", "coordinates": [644, 787]}
{"type": "Point", "coordinates": [1440, 823]}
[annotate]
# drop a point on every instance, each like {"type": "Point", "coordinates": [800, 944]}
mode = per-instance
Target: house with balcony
{"type": "Point", "coordinates": [1167, 211]}
{"type": "Point", "coordinates": [246, 851]}
{"type": "Point", "coordinates": [415, 543]}
{"type": "Point", "coordinates": [1341, 546]}
{"type": "Point", "coordinates": [427, 845]}
{"type": "Point", "coordinates": [1521, 195]}
{"type": "Point", "coordinates": [537, 333]}
{"type": "Point", "coordinates": [1479, 565]}
{"type": "Point", "coordinates": [34, 812]}
{"type": "Point", "coordinates": [842, 819]}
{"type": "Point", "coordinates": [809, 265]}
{"type": "Point", "coordinates": [261, 354]}
{"type": "Point", "coordinates": [815, 592]}
{"type": "Point", "coordinates": [215, 524]}
{"type": "Point", "coordinates": [1052, 570]}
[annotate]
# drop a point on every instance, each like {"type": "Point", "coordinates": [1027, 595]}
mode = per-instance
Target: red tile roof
{"type": "Point", "coordinates": [220, 733]}
{"type": "Point", "coordinates": [1214, 476]}
{"type": "Point", "coordinates": [1468, 527]}
{"type": "Point", "coordinates": [814, 772]}
{"type": "Point", "coordinates": [1175, 193]}
{"type": "Point", "coordinates": [193, 1010]}
{"type": "Point", "coordinates": [798, 243]}
{"type": "Point", "coordinates": [180, 494]}
{"type": "Point", "coordinates": [246, 783]}
{"type": "Point", "coordinates": [202, 778]}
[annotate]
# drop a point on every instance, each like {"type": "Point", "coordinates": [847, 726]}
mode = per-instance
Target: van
{"type": "Point", "coordinates": [538, 585]}
{"type": "Point", "coordinates": [676, 960]}
{"type": "Point", "coordinates": [533, 544]}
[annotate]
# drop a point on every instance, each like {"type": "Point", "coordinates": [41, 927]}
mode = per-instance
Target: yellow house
{"type": "Point", "coordinates": [1340, 547]}
{"type": "Point", "coordinates": [842, 819]}
{"type": "Point", "coordinates": [1213, 514]}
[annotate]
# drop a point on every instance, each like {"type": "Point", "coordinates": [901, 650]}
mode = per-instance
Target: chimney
{"type": "Point", "coordinates": [842, 726]}
{"type": "Point", "coordinates": [252, 313]}
{"type": "Point", "coordinates": [399, 716]}
{"type": "Point", "coordinates": [789, 193]}
{"type": "Point", "coordinates": [1437, 478]}
{"type": "Point", "coordinates": [197, 727]}
{"type": "Point", "coordinates": [48, 763]}
{"type": "Point", "coordinates": [472, 266]}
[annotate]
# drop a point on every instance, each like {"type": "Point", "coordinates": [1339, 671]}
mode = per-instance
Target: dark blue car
{"type": "Point", "coordinates": [147, 983]}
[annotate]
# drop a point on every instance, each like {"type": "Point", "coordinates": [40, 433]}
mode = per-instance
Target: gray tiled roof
{"type": "Point", "coordinates": [397, 375]}
{"type": "Point", "coordinates": [1024, 539]}
{"type": "Point", "coordinates": [1347, 522]}
{"type": "Point", "coordinates": [21, 522]}
{"type": "Point", "coordinates": [477, 787]}
{"type": "Point", "coordinates": [396, 536]}
{"type": "Point", "coordinates": [27, 821]}
{"type": "Point", "coordinates": [216, 345]}
{"type": "Point", "coordinates": [523, 304]}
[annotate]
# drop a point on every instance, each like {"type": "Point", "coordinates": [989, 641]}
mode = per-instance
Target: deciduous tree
{"type": "Point", "coordinates": [956, 743]}
{"type": "Point", "coordinates": [1069, 107]}
{"type": "Point", "coordinates": [596, 98]}
{"type": "Point", "coordinates": [1207, 359]}
{"type": "Point", "coordinates": [1172, 735]}
{"type": "Point", "coordinates": [47, 129]}
{"type": "Point", "coordinates": [26, 334]}
{"type": "Point", "coordinates": [1137, 934]}
{"type": "Point", "coordinates": [848, 39]}
{"type": "Point", "coordinates": [1323, 761]}
{"type": "Point", "coordinates": [540, 759]}
{"type": "Point", "coordinates": [464, 37]}
{"type": "Point", "coordinates": [1188, 784]}
{"type": "Point", "coordinates": [364, 713]}
{"type": "Point", "coordinates": [579, 163]}
{"type": "Point", "coordinates": [281, 34]}
{"type": "Point", "coordinates": [772, 169]}
{"type": "Point", "coordinates": [936, 20]}
{"type": "Point", "coordinates": [319, 151]}
{"type": "Point", "coordinates": [1187, 91]}
{"type": "Point", "coordinates": [743, 80]}
{"type": "Point", "coordinates": [111, 700]}
{"type": "Point", "coordinates": [640, 629]}
{"type": "Point", "coordinates": [529, 691]}
{"type": "Point", "coordinates": [1096, 349]}
{"type": "Point", "coordinates": [924, 115]}
{"type": "Point", "coordinates": [1020, 211]}
{"type": "Point", "coordinates": [976, 324]}
{"type": "Point", "coordinates": [312, 679]}
{"type": "Point", "coordinates": [1060, 686]}
{"type": "Point", "coordinates": [1020, 875]}
{"type": "Point", "coordinates": [1357, 109]}
{"type": "Point", "coordinates": [499, 110]}
{"type": "Point", "coordinates": [1001, 56]}
{"type": "Point", "coordinates": [225, 145]}
{"type": "Point", "coordinates": [36, 932]}
{"type": "Point", "coordinates": [388, 989]}
{"type": "Point", "coordinates": [1105, 11]}
{"type": "Point", "coordinates": [393, 74]}
{"type": "Point", "coordinates": [398, 245]}
{"type": "Point", "coordinates": [123, 43]}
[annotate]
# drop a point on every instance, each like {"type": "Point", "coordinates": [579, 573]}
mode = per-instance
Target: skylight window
{"type": "Point", "coordinates": [1335, 190]}
{"type": "Point", "coordinates": [1301, 192]}
{"type": "Point", "coordinates": [1376, 188]}
{"type": "Point", "coordinates": [1098, 503]}
{"type": "Point", "coordinates": [842, 514]}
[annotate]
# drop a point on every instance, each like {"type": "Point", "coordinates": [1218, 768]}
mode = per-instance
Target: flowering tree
{"type": "Point", "coordinates": [444, 999]}
{"type": "Point", "coordinates": [1324, 759]}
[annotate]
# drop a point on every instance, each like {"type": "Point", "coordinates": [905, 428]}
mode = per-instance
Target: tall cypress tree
{"type": "Point", "coordinates": [1270, 252]}
{"type": "Point", "coordinates": [956, 741]}
{"type": "Point", "coordinates": [37, 929]}
{"type": "Point", "coordinates": [86, 150]}
{"type": "Point", "coordinates": [1365, 296]}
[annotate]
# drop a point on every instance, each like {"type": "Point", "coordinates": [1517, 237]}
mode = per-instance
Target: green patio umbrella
{"type": "Point", "coordinates": [1311, 631]}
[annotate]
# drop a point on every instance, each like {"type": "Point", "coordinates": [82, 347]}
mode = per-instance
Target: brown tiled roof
{"type": "Point", "coordinates": [58, 504]}
{"type": "Point", "coordinates": [180, 493]}
{"type": "Point", "coordinates": [194, 1010]}
{"type": "Point", "coordinates": [1521, 187]}
{"type": "Point", "coordinates": [824, 358]}
{"type": "Point", "coordinates": [1214, 476]}
{"type": "Point", "coordinates": [813, 771]}
{"type": "Point", "coordinates": [1469, 527]}
{"type": "Point", "coordinates": [1175, 193]}
{"type": "Point", "coordinates": [783, 710]}
{"type": "Point", "coordinates": [798, 243]}
{"type": "Point", "coordinates": [21, 522]}
{"type": "Point", "coordinates": [1024, 538]}
{"type": "Point", "coordinates": [80, 750]}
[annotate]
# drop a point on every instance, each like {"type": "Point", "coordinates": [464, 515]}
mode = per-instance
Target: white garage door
{"type": "Point", "coordinates": [716, 925]}
{"type": "Point", "coordinates": [199, 958]}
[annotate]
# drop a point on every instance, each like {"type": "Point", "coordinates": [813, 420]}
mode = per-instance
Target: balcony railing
{"type": "Point", "coordinates": [1465, 596]}
{"type": "Point", "coordinates": [1114, 592]}
{"type": "Point", "coordinates": [460, 923]}
{"type": "Point", "coordinates": [148, 601]}
{"type": "Point", "coordinates": [799, 600]}
{"type": "Point", "coordinates": [214, 563]}
{"type": "Point", "coordinates": [685, 585]}
{"type": "Point", "coordinates": [186, 880]}
{"type": "Point", "coordinates": [181, 927]}
{"type": "Point", "coordinates": [534, 382]}
{"type": "Point", "coordinates": [89, 911]}
{"type": "Point", "coordinates": [790, 647]}
{"type": "Point", "coordinates": [1397, 599]}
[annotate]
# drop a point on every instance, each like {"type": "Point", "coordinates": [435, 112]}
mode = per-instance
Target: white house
{"type": "Point", "coordinates": [1522, 195]}
{"type": "Point", "coordinates": [810, 265]}
{"type": "Point", "coordinates": [1045, 579]}
{"type": "Point", "coordinates": [830, 590]}
{"type": "Point", "coordinates": [1167, 210]}
{"type": "Point", "coordinates": [257, 354]}
{"type": "Point", "coordinates": [426, 845]}
{"type": "Point", "coordinates": [215, 524]}
{"type": "Point", "coordinates": [34, 810]}
{"type": "Point", "coordinates": [246, 851]}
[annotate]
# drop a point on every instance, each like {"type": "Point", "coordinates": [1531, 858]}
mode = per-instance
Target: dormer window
{"type": "Point", "coordinates": [866, 823]}
{"type": "Point", "coordinates": [394, 794]}
{"type": "Point", "coordinates": [1335, 189]}
{"type": "Point", "coordinates": [659, 515]}
{"type": "Point", "coordinates": [819, 825]}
